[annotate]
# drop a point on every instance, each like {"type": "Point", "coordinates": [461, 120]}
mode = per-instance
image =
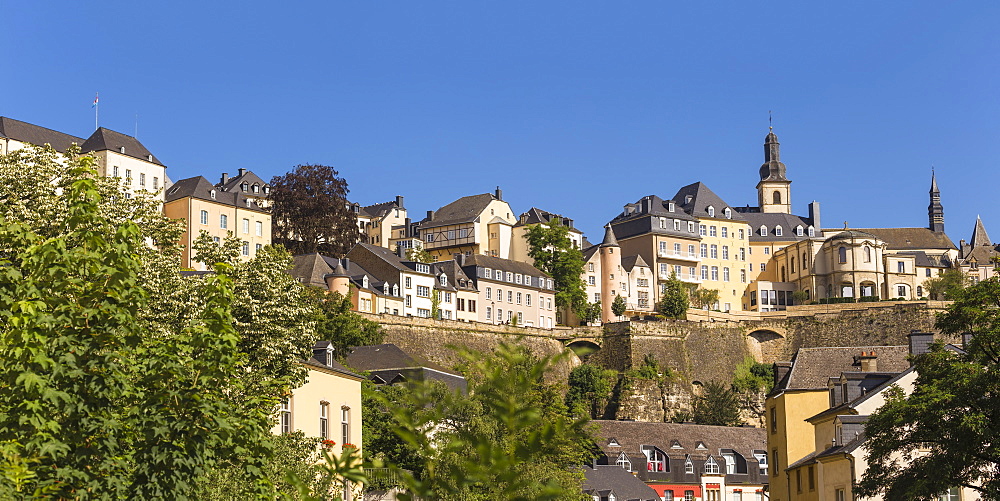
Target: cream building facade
{"type": "Point", "coordinates": [476, 224]}
{"type": "Point", "coordinates": [510, 291]}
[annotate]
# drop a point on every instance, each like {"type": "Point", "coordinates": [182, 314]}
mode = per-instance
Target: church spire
{"type": "Point", "coordinates": [935, 211]}
{"type": "Point", "coordinates": [773, 189]}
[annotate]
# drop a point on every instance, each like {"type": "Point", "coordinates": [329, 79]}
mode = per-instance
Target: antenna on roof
{"type": "Point", "coordinates": [770, 123]}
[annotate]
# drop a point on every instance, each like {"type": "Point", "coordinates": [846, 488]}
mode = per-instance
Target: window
{"type": "Point", "coordinates": [597, 297]}
{"type": "Point", "coordinates": [212, 194]}
{"type": "Point", "coordinates": [590, 267]}
{"type": "Point", "coordinates": [285, 415]}
{"type": "Point", "coordinates": [246, 226]}
{"type": "Point", "coordinates": [713, 231]}
{"type": "Point", "coordinates": [704, 250]}
{"type": "Point", "coordinates": [812, 478]}
{"type": "Point", "coordinates": [741, 234]}
{"type": "Point", "coordinates": [677, 269]}
{"type": "Point", "coordinates": [725, 252]}
{"type": "Point", "coordinates": [345, 425]}
{"type": "Point", "coordinates": [259, 228]}
{"type": "Point", "coordinates": [725, 274]}
{"type": "Point", "coordinates": [518, 298]}
{"type": "Point", "coordinates": [688, 466]}
{"type": "Point", "coordinates": [900, 266]}
{"type": "Point", "coordinates": [429, 237]}
{"type": "Point", "coordinates": [767, 251]}
{"type": "Point", "coordinates": [840, 495]}
{"type": "Point", "coordinates": [774, 461]}
{"type": "Point", "coordinates": [510, 276]}
{"type": "Point", "coordinates": [499, 294]}
{"type": "Point", "coordinates": [423, 291]}
{"type": "Point", "coordinates": [246, 248]}
{"type": "Point", "coordinates": [223, 221]}
{"type": "Point", "coordinates": [798, 480]}
{"type": "Point", "coordinates": [842, 251]}
{"type": "Point", "coordinates": [711, 467]}
{"type": "Point", "coordinates": [591, 280]}
{"type": "Point", "coordinates": [423, 313]}
{"type": "Point", "coordinates": [128, 178]}
{"type": "Point", "coordinates": [702, 229]}
{"type": "Point", "coordinates": [776, 197]}
{"type": "Point", "coordinates": [664, 270]}
{"type": "Point", "coordinates": [691, 250]}
{"type": "Point", "coordinates": [663, 223]}
{"type": "Point", "coordinates": [761, 457]}
{"type": "Point", "coordinates": [258, 247]}
{"type": "Point", "coordinates": [488, 273]}
{"type": "Point", "coordinates": [409, 301]}
{"type": "Point", "coordinates": [920, 291]}
{"type": "Point", "coordinates": [443, 280]}
{"type": "Point", "coordinates": [489, 292]}
{"type": "Point", "coordinates": [624, 462]}
{"type": "Point", "coordinates": [204, 217]}
{"type": "Point", "coordinates": [408, 281]}
{"type": "Point", "coordinates": [901, 291]}
{"type": "Point", "coordinates": [951, 495]}
{"type": "Point", "coordinates": [489, 311]}
{"type": "Point", "coordinates": [812, 231]}
{"type": "Point", "coordinates": [510, 296]}
{"type": "Point", "coordinates": [142, 179]}
{"type": "Point", "coordinates": [688, 495]}
{"type": "Point", "coordinates": [763, 267]}
{"type": "Point", "coordinates": [711, 211]}
{"type": "Point", "coordinates": [668, 495]}
{"type": "Point", "coordinates": [798, 230]}
{"type": "Point", "coordinates": [728, 213]}
{"type": "Point", "coordinates": [763, 231]}
{"type": "Point", "coordinates": [725, 232]}
{"type": "Point", "coordinates": [115, 169]}
{"type": "Point", "coordinates": [704, 272]}
{"type": "Point", "coordinates": [677, 249]}
{"type": "Point", "coordinates": [527, 299]}
{"type": "Point", "coordinates": [777, 231]}
{"type": "Point", "coordinates": [472, 305]}
{"type": "Point", "coordinates": [715, 273]}
{"type": "Point", "coordinates": [690, 226]}
{"type": "Point", "coordinates": [656, 460]}
{"type": "Point", "coordinates": [324, 420]}
{"type": "Point", "coordinates": [677, 224]}
{"type": "Point", "coordinates": [743, 276]}
{"type": "Point", "coordinates": [743, 254]}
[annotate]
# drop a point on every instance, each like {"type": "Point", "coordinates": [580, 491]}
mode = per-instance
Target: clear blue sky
{"type": "Point", "coordinates": [574, 107]}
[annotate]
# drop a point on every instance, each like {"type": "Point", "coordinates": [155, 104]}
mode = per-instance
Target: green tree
{"type": "Point", "coordinates": [590, 313]}
{"type": "Point", "coordinates": [337, 323]}
{"type": "Point", "coordinates": [753, 380]}
{"type": "Point", "coordinates": [717, 405]}
{"type": "Point", "coordinates": [618, 305]}
{"type": "Point", "coordinates": [590, 389]}
{"type": "Point", "coordinates": [704, 298]}
{"type": "Point", "coordinates": [419, 254]}
{"type": "Point", "coordinates": [510, 437]}
{"type": "Point", "coordinates": [553, 252]}
{"type": "Point", "coordinates": [952, 415]}
{"type": "Point", "coordinates": [674, 300]}
{"type": "Point", "coordinates": [311, 213]}
{"type": "Point", "coordinates": [800, 297]}
{"type": "Point", "coordinates": [946, 285]}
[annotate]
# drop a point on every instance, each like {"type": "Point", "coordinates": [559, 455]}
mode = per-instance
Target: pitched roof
{"type": "Point", "coordinates": [310, 269]}
{"type": "Point", "coordinates": [37, 135]}
{"type": "Point", "coordinates": [979, 236]}
{"type": "Point", "coordinates": [385, 255]}
{"type": "Point", "coordinates": [463, 210]}
{"type": "Point", "coordinates": [334, 366]}
{"type": "Point", "coordinates": [615, 478]}
{"type": "Point", "coordinates": [701, 199]}
{"type": "Point", "coordinates": [201, 188]}
{"type": "Point", "coordinates": [388, 357]}
{"type": "Point", "coordinates": [609, 237]}
{"type": "Point", "coordinates": [632, 435]}
{"type": "Point", "coordinates": [456, 275]}
{"type": "Point", "coordinates": [788, 223]}
{"type": "Point", "coordinates": [910, 238]}
{"type": "Point", "coordinates": [357, 275]}
{"type": "Point", "coordinates": [924, 260]}
{"type": "Point", "coordinates": [651, 205]}
{"type": "Point", "coordinates": [535, 215]}
{"type": "Point", "coordinates": [497, 263]}
{"type": "Point", "coordinates": [630, 262]}
{"type": "Point", "coordinates": [106, 139]}
{"type": "Point", "coordinates": [247, 176]}
{"type": "Point", "coordinates": [376, 210]}
{"type": "Point", "coordinates": [813, 367]}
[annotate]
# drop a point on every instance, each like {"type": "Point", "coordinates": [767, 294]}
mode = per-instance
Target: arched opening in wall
{"type": "Point", "coordinates": [776, 196]}
{"type": "Point", "coordinates": [868, 289]}
{"type": "Point", "coordinates": [584, 348]}
{"type": "Point", "coordinates": [766, 345]}
{"type": "Point", "coordinates": [697, 389]}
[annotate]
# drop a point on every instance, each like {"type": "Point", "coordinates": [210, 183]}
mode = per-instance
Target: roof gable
{"type": "Point", "coordinates": [812, 368]}
{"type": "Point", "coordinates": [108, 140]}
{"type": "Point", "coordinates": [310, 269]}
{"type": "Point", "coordinates": [910, 238]}
{"type": "Point", "coordinates": [463, 210]}
{"type": "Point", "coordinates": [696, 198]}
{"type": "Point", "coordinates": [37, 135]}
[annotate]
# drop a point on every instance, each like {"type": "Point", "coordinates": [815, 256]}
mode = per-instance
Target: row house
{"type": "Point", "coordinates": [117, 155]}
{"type": "Point", "coordinates": [535, 216]}
{"type": "Point", "coordinates": [414, 281]}
{"type": "Point", "coordinates": [979, 257]}
{"type": "Point", "coordinates": [476, 224]}
{"type": "Point", "coordinates": [607, 274]}
{"type": "Point", "coordinates": [689, 462]}
{"type": "Point", "coordinates": [378, 221]}
{"type": "Point", "coordinates": [510, 291]}
{"type": "Point", "coordinates": [218, 210]}
{"type": "Point", "coordinates": [368, 294]}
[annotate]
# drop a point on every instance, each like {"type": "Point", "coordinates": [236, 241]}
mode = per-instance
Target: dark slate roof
{"type": "Point", "coordinates": [652, 205]}
{"type": "Point", "coordinates": [632, 261]}
{"type": "Point", "coordinates": [979, 236]}
{"type": "Point", "coordinates": [589, 252]}
{"type": "Point", "coordinates": [609, 237]}
{"type": "Point", "coordinates": [34, 134]}
{"type": "Point", "coordinates": [310, 269]}
{"type": "Point", "coordinates": [334, 366]}
{"type": "Point", "coordinates": [813, 367]}
{"type": "Point", "coordinates": [924, 260]}
{"type": "Point", "coordinates": [848, 407]}
{"type": "Point", "coordinates": [911, 238]}
{"type": "Point", "coordinates": [539, 216]}
{"type": "Point", "coordinates": [385, 255]}
{"type": "Point", "coordinates": [201, 188]}
{"type": "Point", "coordinates": [106, 139]}
{"type": "Point", "coordinates": [358, 274]}
{"type": "Point", "coordinates": [632, 435]}
{"type": "Point", "coordinates": [615, 478]}
{"type": "Point", "coordinates": [788, 222]}
{"type": "Point", "coordinates": [497, 263]}
{"type": "Point", "coordinates": [463, 210]}
{"type": "Point", "coordinates": [701, 199]}
{"type": "Point", "coordinates": [234, 183]}
{"type": "Point", "coordinates": [456, 275]}
{"type": "Point", "coordinates": [979, 249]}
{"type": "Point", "coordinates": [853, 234]}
{"type": "Point", "coordinates": [388, 356]}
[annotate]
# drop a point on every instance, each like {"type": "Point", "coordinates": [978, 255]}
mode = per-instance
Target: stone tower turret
{"type": "Point", "coordinates": [339, 280]}
{"type": "Point", "coordinates": [935, 211]}
{"type": "Point", "coordinates": [774, 192]}
{"type": "Point", "coordinates": [611, 265]}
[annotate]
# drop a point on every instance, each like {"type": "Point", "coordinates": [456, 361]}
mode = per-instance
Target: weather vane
{"type": "Point", "coordinates": [770, 123]}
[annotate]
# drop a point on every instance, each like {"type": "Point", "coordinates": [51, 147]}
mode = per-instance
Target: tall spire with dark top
{"type": "Point", "coordinates": [772, 168]}
{"type": "Point", "coordinates": [979, 236]}
{"type": "Point", "coordinates": [609, 237]}
{"type": "Point", "coordinates": [935, 211]}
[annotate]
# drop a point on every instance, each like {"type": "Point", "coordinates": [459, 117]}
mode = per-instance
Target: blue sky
{"type": "Point", "coordinates": [573, 107]}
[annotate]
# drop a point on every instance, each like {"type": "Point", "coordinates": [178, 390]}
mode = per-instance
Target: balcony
{"type": "Point", "coordinates": [679, 256]}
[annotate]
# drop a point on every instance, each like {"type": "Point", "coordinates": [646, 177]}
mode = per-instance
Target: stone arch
{"type": "Point", "coordinates": [766, 345]}
{"type": "Point", "coordinates": [583, 348]}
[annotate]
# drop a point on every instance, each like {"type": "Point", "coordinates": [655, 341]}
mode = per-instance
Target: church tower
{"type": "Point", "coordinates": [935, 211]}
{"type": "Point", "coordinates": [611, 264]}
{"type": "Point", "coordinates": [774, 191]}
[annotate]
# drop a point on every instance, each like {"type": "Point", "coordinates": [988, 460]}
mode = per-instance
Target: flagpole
{"type": "Point", "coordinates": [97, 107]}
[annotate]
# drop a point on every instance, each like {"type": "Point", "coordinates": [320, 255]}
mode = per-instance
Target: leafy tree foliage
{"type": "Point", "coordinates": [618, 305]}
{"type": "Point", "coordinates": [704, 298]}
{"type": "Point", "coordinates": [419, 254]}
{"type": "Point", "coordinates": [717, 405]}
{"type": "Point", "coordinates": [943, 434]}
{"type": "Point", "coordinates": [590, 313]}
{"type": "Point", "coordinates": [946, 285]}
{"type": "Point", "coordinates": [552, 250]}
{"type": "Point", "coordinates": [510, 437]}
{"type": "Point", "coordinates": [674, 300]}
{"type": "Point", "coordinates": [590, 389]}
{"type": "Point", "coordinates": [310, 211]}
{"type": "Point", "coordinates": [338, 324]}
{"type": "Point", "coordinates": [753, 380]}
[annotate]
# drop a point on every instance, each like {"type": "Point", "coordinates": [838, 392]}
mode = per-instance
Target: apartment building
{"type": "Point", "coordinates": [476, 224]}
{"type": "Point", "coordinates": [510, 291]}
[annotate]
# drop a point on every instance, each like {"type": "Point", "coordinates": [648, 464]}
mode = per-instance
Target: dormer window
{"type": "Point", "coordinates": [676, 444]}
{"type": "Point", "coordinates": [613, 443]}
{"type": "Point", "coordinates": [777, 231]}
{"type": "Point", "coordinates": [711, 467]}
{"type": "Point", "coordinates": [255, 188]}
{"type": "Point", "coordinates": [443, 279]}
{"type": "Point", "coordinates": [245, 186]}
{"type": "Point", "coordinates": [812, 231]}
{"type": "Point", "coordinates": [763, 230]}
{"type": "Point", "coordinates": [688, 466]}
{"type": "Point", "coordinates": [711, 211]}
{"type": "Point", "coordinates": [149, 158]}
{"type": "Point", "coordinates": [624, 462]}
{"type": "Point", "coordinates": [248, 202]}
{"type": "Point", "coordinates": [656, 460]}
{"type": "Point", "coordinates": [687, 199]}
{"type": "Point", "coordinates": [798, 231]}
{"type": "Point", "coordinates": [700, 445]}
{"type": "Point", "coordinates": [364, 281]}
{"type": "Point", "coordinates": [212, 193]}
{"type": "Point", "coordinates": [329, 354]}
{"type": "Point", "coordinates": [728, 212]}
{"type": "Point", "coordinates": [121, 149]}
{"type": "Point", "coordinates": [267, 190]}
{"type": "Point", "coordinates": [395, 290]}
{"type": "Point", "coordinates": [670, 206]}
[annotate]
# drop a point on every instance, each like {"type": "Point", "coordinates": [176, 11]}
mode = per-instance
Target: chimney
{"type": "Point", "coordinates": [242, 171]}
{"type": "Point", "coordinates": [346, 263]}
{"type": "Point", "coordinates": [225, 177]}
{"type": "Point", "coordinates": [499, 194]}
{"type": "Point", "coordinates": [781, 369]}
{"type": "Point", "coordinates": [460, 259]}
{"type": "Point", "coordinates": [920, 342]}
{"type": "Point", "coordinates": [814, 215]}
{"type": "Point", "coordinates": [401, 251]}
{"type": "Point", "coordinates": [399, 201]}
{"type": "Point", "coordinates": [868, 361]}
{"type": "Point", "coordinates": [430, 215]}
{"type": "Point", "coordinates": [966, 337]}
